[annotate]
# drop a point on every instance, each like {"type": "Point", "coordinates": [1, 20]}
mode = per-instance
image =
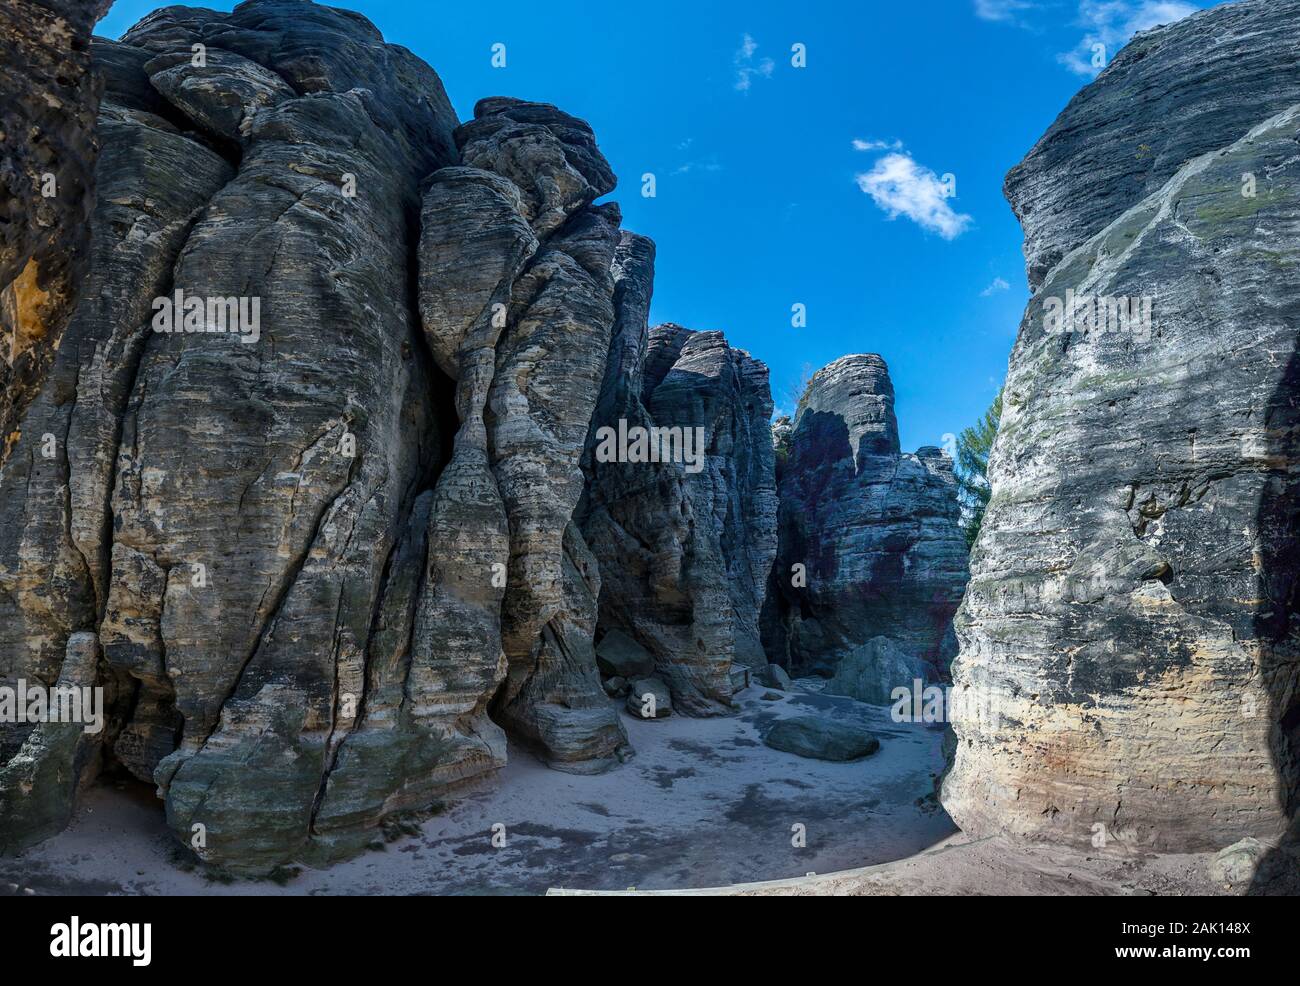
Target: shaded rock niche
{"type": "Point", "coordinates": [871, 562]}
{"type": "Point", "coordinates": [1129, 668]}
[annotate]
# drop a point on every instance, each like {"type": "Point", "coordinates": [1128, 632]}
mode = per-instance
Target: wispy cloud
{"type": "Point", "coordinates": [710, 164]}
{"type": "Point", "coordinates": [1002, 10]}
{"type": "Point", "coordinates": [746, 67]}
{"type": "Point", "coordinates": [998, 285]}
{"type": "Point", "coordinates": [1111, 23]}
{"type": "Point", "coordinates": [902, 187]}
{"type": "Point", "coordinates": [877, 145]}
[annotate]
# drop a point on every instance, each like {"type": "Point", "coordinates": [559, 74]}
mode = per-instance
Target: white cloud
{"type": "Point", "coordinates": [746, 67]}
{"type": "Point", "coordinates": [901, 187]}
{"type": "Point", "coordinates": [689, 166]}
{"type": "Point", "coordinates": [1001, 10]}
{"type": "Point", "coordinates": [1111, 23]}
{"type": "Point", "coordinates": [877, 145]}
{"type": "Point", "coordinates": [998, 285]}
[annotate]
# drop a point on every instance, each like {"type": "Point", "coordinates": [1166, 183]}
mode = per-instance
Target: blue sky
{"type": "Point", "coordinates": [820, 186]}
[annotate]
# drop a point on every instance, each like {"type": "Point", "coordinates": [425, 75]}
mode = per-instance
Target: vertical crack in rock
{"type": "Point", "coordinates": [54, 494]}
{"type": "Point", "coordinates": [1128, 644]}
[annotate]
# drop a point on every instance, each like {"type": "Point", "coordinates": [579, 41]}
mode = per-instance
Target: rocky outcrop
{"type": "Point", "coordinates": [525, 338]}
{"type": "Point", "coordinates": [683, 539]}
{"type": "Point", "coordinates": [48, 101]}
{"type": "Point", "coordinates": [1128, 670]}
{"type": "Point", "coordinates": [1203, 83]}
{"type": "Point", "coordinates": [869, 544]}
{"type": "Point", "coordinates": [55, 536]}
{"type": "Point", "coordinates": [315, 545]}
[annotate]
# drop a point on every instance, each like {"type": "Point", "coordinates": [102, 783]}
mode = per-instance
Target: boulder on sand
{"type": "Point", "coordinates": [649, 698]}
{"type": "Point", "coordinates": [821, 739]}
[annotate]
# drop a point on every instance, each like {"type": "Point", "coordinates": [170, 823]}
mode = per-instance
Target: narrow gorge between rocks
{"type": "Point", "coordinates": [439, 568]}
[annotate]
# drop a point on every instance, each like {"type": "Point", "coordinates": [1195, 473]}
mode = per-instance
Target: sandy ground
{"type": "Point", "coordinates": [704, 803]}
{"type": "Point", "coordinates": [959, 866]}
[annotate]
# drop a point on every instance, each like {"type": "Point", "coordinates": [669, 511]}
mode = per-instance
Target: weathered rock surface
{"type": "Point", "coordinates": [683, 546]}
{"type": "Point", "coordinates": [820, 738]}
{"type": "Point", "coordinates": [328, 559]}
{"type": "Point", "coordinates": [48, 100]}
{"type": "Point", "coordinates": [869, 544]}
{"type": "Point", "coordinates": [525, 336]}
{"type": "Point", "coordinates": [775, 676]}
{"type": "Point", "coordinates": [871, 672]}
{"type": "Point", "coordinates": [55, 536]}
{"type": "Point", "coordinates": [622, 657]}
{"type": "Point", "coordinates": [1128, 640]}
{"type": "Point", "coordinates": [1203, 82]}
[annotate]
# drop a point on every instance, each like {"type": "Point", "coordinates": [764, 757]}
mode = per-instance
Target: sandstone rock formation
{"type": "Point", "coordinates": [1128, 663]}
{"type": "Point", "coordinates": [48, 102]}
{"type": "Point", "coordinates": [1199, 82]}
{"type": "Point", "coordinates": [869, 544]}
{"type": "Point", "coordinates": [319, 562]}
{"type": "Point", "coordinates": [684, 547]}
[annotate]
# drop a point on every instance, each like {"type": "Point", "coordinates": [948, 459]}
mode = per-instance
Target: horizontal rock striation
{"type": "Point", "coordinates": [1128, 670]}
{"type": "Point", "coordinates": [525, 337]}
{"type": "Point", "coordinates": [869, 544]}
{"type": "Point", "coordinates": [1188, 89]}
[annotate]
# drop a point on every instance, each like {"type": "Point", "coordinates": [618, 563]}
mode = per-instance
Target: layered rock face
{"type": "Point", "coordinates": [1202, 83]}
{"type": "Point", "coordinates": [684, 543]}
{"type": "Point", "coordinates": [525, 337]}
{"type": "Point", "coordinates": [1128, 669]}
{"type": "Point", "coordinates": [315, 544]}
{"type": "Point", "coordinates": [869, 544]}
{"type": "Point", "coordinates": [48, 102]}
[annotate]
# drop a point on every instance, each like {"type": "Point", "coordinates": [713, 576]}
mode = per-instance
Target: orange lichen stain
{"type": "Point", "coordinates": [27, 301]}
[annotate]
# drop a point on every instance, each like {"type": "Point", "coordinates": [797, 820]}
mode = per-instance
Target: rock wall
{"type": "Point", "coordinates": [317, 566]}
{"type": "Point", "coordinates": [48, 102]}
{"type": "Point", "coordinates": [684, 547]}
{"type": "Point", "coordinates": [1128, 669]}
{"type": "Point", "coordinates": [869, 545]}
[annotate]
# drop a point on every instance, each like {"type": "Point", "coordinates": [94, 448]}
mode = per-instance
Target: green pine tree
{"type": "Point", "coordinates": [973, 447]}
